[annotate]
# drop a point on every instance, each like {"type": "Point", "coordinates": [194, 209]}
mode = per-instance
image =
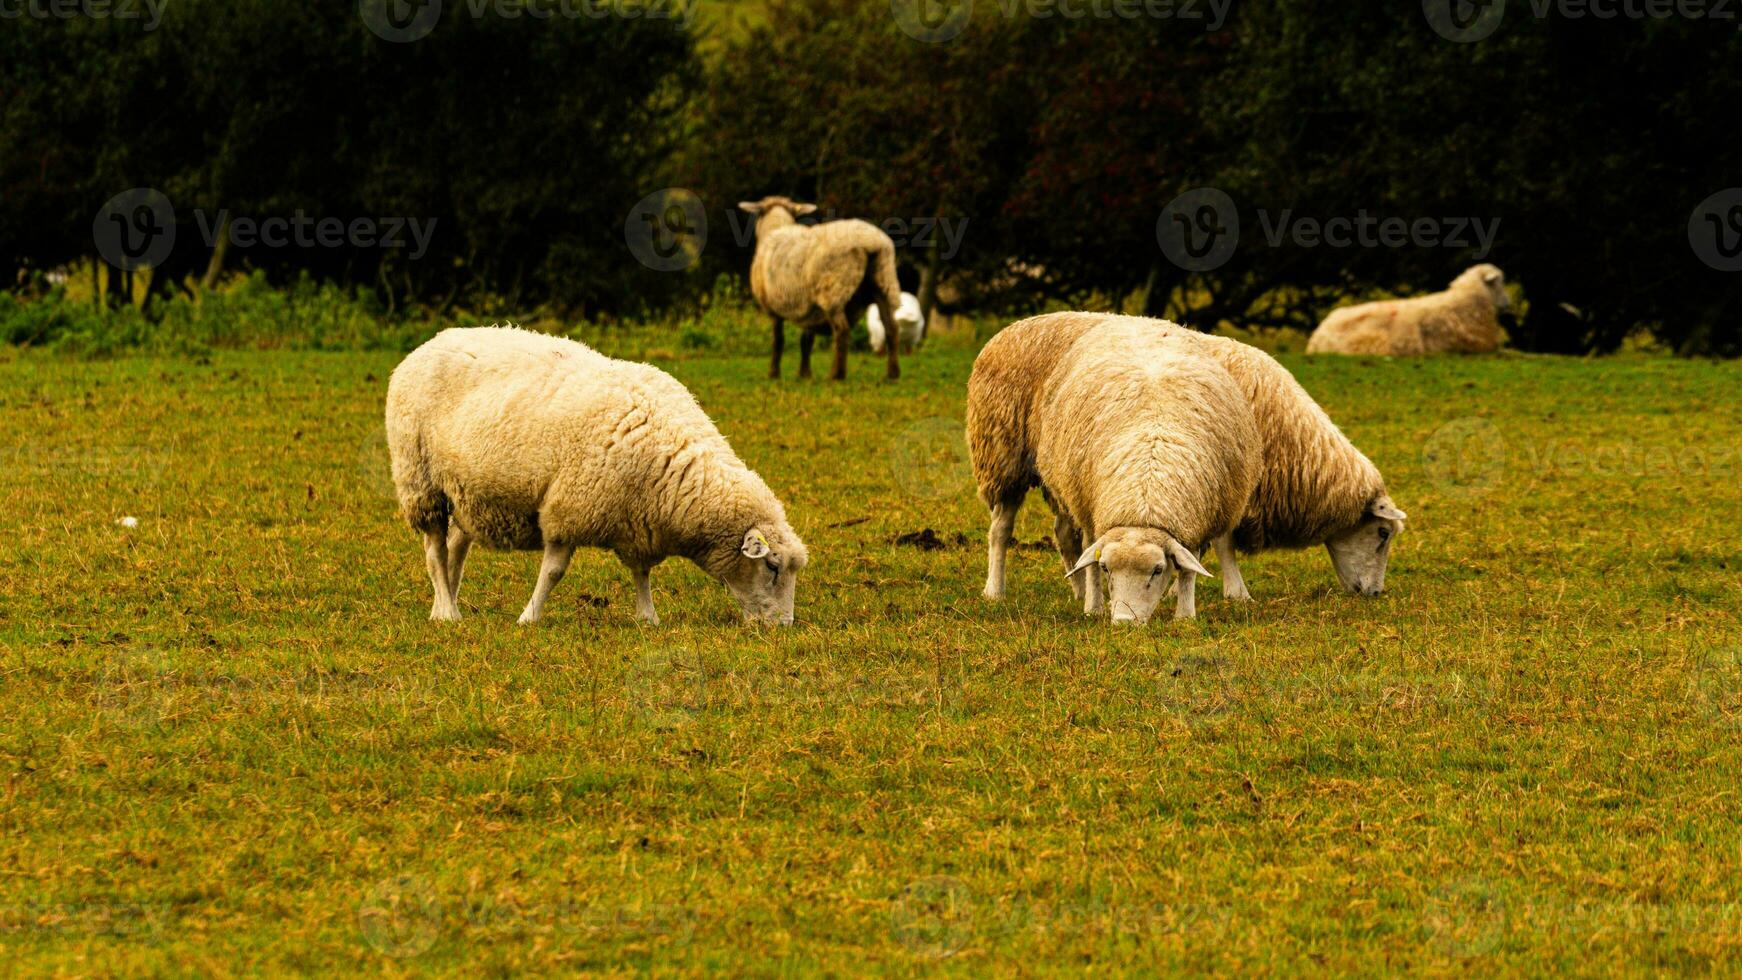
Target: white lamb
{"type": "Point", "coordinates": [1147, 450]}
{"type": "Point", "coordinates": [520, 440]}
{"type": "Point", "coordinates": [908, 317]}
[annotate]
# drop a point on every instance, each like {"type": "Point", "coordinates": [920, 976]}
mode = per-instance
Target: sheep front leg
{"type": "Point", "coordinates": [1070, 545]}
{"type": "Point", "coordinates": [779, 345]}
{"type": "Point", "coordinates": [435, 561]}
{"type": "Point", "coordinates": [807, 337]}
{"type": "Point", "coordinates": [1233, 586]}
{"type": "Point", "coordinates": [459, 544]}
{"type": "Point", "coordinates": [1187, 605]}
{"type": "Point", "coordinates": [556, 562]}
{"type": "Point", "coordinates": [998, 544]}
{"type": "Point", "coordinates": [644, 597]}
{"type": "Point", "coordinates": [1094, 602]}
{"type": "Point", "coordinates": [843, 332]}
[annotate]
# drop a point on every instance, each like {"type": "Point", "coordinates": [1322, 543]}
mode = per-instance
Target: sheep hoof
{"type": "Point", "coordinates": [993, 594]}
{"type": "Point", "coordinates": [527, 619]}
{"type": "Point", "coordinates": [1240, 595]}
{"type": "Point", "coordinates": [444, 615]}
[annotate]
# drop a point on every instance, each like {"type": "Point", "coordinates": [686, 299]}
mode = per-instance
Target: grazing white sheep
{"type": "Point", "coordinates": [811, 274]}
{"type": "Point", "coordinates": [1144, 448]}
{"type": "Point", "coordinates": [519, 440]}
{"type": "Point", "coordinates": [1314, 486]}
{"type": "Point", "coordinates": [908, 317]}
{"type": "Point", "coordinates": [1463, 319]}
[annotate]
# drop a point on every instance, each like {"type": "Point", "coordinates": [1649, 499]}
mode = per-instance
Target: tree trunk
{"type": "Point", "coordinates": [220, 252]}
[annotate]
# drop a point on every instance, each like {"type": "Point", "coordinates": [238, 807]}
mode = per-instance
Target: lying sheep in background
{"type": "Point", "coordinates": [1141, 445]}
{"type": "Point", "coordinates": [812, 274]}
{"type": "Point", "coordinates": [908, 317]}
{"type": "Point", "coordinates": [520, 440]}
{"type": "Point", "coordinates": [1464, 319]}
{"type": "Point", "coordinates": [1314, 487]}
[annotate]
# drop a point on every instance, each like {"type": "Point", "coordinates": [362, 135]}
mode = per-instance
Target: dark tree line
{"type": "Point", "coordinates": [1590, 142]}
{"type": "Point", "coordinates": [515, 138]}
{"type": "Point", "coordinates": [1057, 141]}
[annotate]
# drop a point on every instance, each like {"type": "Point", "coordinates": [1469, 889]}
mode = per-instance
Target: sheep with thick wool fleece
{"type": "Point", "coordinates": [1146, 450]}
{"type": "Point", "coordinates": [1314, 486]}
{"type": "Point", "coordinates": [811, 274]}
{"type": "Point", "coordinates": [1462, 319]}
{"type": "Point", "coordinates": [519, 440]}
{"type": "Point", "coordinates": [909, 321]}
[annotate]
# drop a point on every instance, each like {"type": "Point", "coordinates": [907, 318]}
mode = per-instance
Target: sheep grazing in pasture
{"type": "Point", "coordinates": [518, 440]}
{"type": "Point", "coordinates": [1314, 487]}
{"type": "Point", "coordinates": [908, 318]}
{"type": "Point", "coordinates": [1464, 319]}
{"type": "Point", "coordinates": [812, 275]}
{"type": "Point", "coordinates": [1143, 447]}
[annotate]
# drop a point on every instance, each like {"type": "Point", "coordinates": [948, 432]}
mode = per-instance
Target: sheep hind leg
{"type": "Point", "coordinates": [998, 545]}
{"type": "Point", "coordinates": [894, 339]}
{"type": "Point", "coordinates": [842, 333]}
{"type": "Point", "coordinates": [435, 561]}
{"type": "Point", "coordinates": [550, 572]}
{"type": "Point", "coordinates": [1233, 585]}
{"type": "Point", "coordinates": [806, 338]}
{"type": "Point", "coordinates": [779, 345]}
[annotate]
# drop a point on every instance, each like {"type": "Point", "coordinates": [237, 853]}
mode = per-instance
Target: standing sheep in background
{"type": "Point", "coordinates": [1146, 448]}
{"type": "Point", "coordinates": [909, 319]}
{"type": "Point", "coordinates": [812, 274]}
{"type": "Point", "coordinates": [520, 440]}
{"type": "Point", "coordinates": [1314, 486]}
{"type": "Point", "coordinates": [1464, 319]}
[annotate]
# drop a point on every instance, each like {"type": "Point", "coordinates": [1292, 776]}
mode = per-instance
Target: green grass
{"type": "Point", "coordinates": [234, 744]}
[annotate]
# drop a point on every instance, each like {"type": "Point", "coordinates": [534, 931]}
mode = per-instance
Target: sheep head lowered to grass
{"type": "Point", "coordinates": [811, 275]}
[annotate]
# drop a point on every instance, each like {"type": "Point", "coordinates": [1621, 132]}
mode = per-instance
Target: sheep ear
{"type": "Point", "coordinates": [755, 545]}
{"type": "Point", "coordinates": [753, 207]}
{"type": "Point", "coordinates": [1091, 555]}
{"type": "Point", "coordinates": [1492, 276]}
{"type": "Point", "coordinates": [1188, 562]}
{"type": "Point", "coordinates": [1386, 510]}
{"type": "Point", "coordinates": [804, 209]}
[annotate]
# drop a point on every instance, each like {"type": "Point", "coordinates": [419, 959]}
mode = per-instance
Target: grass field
{"type": "Point", "coordinates": [232, 743]}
